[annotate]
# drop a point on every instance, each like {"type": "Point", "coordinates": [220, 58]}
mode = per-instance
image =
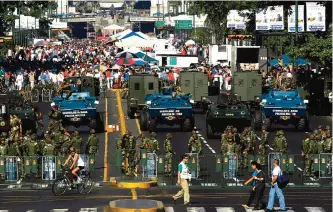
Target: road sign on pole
{"type": "Point", "coordinates": [183, 24]}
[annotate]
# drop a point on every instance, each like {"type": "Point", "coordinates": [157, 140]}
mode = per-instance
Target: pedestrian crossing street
{"type": "Point", "coordinates": [182, 209]}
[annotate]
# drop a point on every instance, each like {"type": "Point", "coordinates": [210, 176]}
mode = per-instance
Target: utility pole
{"type": "Point", "coordinates": [296, 30]}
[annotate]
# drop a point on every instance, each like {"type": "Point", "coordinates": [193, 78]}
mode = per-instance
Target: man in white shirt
{"type": "Point", "coordinates": [184, 176]}
{"type": "Point", "coordinates": [19, 81]}
{"type": "Point", "coordinates": [275, 188]}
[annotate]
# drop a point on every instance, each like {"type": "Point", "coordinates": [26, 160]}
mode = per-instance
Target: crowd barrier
{"type": "Point", "coordinates": [225, 170]}
{"type": "Point", "coordinates": [36, 169]}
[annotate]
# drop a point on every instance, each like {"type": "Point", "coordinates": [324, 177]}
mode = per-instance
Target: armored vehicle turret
{"type": "Point", "coordinates": [227, 111]}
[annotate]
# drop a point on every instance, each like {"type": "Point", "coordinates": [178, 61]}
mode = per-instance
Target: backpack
{"type": "Point", "coordinates": [282, 180]}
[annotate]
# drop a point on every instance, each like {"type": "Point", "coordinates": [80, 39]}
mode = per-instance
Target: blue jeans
{"type": "Point", "coordinates": [279, 193]}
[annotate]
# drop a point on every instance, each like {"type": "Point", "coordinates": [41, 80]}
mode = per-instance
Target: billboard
{"type": "Point", "coordinates": [291, 19]}
{"type": "Point", "coordinates": [27, 22]}
{"type": "Point", "coordinates": [315, 17]}
{"type": "Point", "coordinates": [270, 19]}
{"type": "Point", "coordinates": [235, 20]}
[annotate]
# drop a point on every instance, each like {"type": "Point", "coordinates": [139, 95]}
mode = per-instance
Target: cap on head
{"type": "Point", "coordinates": [92, 131]}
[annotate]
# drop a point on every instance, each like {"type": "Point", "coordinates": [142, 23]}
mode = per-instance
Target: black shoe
{"type": "Point", "coordinates": [283, 210]}
{"type": "Point", "coordinates": [268, 210]}
{"type": "Point", "coordinates": [263, 206]}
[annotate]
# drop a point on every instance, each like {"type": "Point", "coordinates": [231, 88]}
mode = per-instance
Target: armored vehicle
{"type": "Point", "coordinates": [167, 109]}
{"type": "Point", "coordinates": [25, 112]}
{"type": "Point", "coordinates": [282, 107]}
{"type": "Point", "coordinates": [4, 115]}
{"type": "Point", "coordinates": [247, 86]}
{"type": "Point", "coordinates": [79, 110]}
{"type": "Point", "coordinates": [227, 111]}
{"type": "Point", "coordinates": [139, 86]}
{"type": "Point", "coordinates": [195, 83]}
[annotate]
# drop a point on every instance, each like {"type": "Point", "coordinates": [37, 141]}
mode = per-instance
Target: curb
{"type": "Point", "coordinates": [159, 206]}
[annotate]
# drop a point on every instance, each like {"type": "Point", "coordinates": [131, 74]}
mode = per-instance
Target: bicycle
{"type": "Point", "coordinates": [64, 183]}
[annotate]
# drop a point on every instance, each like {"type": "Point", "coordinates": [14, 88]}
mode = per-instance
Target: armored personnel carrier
{"type": "Point", "coordinates": [167, 109]}
{"type": "Point", "coordinates": [227, 111]}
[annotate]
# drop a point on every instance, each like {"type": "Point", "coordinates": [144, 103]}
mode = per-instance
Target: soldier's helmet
{"type": "Point", "coordinates": [315, 132]}
{"type": "Point", "coordinates": [153, 134]}
{"type": "Point", "coordinates": [4, 134]}
{"type": "Point", "coordinates": [228, 128]}
{"type": "Point", "coordinates": [76, 133]}
{"type": "Point", "coordinates": [307, 135]}
{"type": "Point", "coordinates": [281, 132]}
{"type": "Point", "coordinates": [142, 135]}
{"type": "Point", "coordinates": [320, 127]}
{"type": "Point", "coordinates": [168, 135]}
{"type": "Point", "coordinates": [28, 132]}
{"type": "Point", "coordinates": [312, 136]}
{"type": "Point", "coordinates": [193, 132]}
{"type": "Point", "coordinates": [34, 136]}
{"type": "Point", "coordinates": [234, 130]}
{"type": "Point", "coordinates": [327, 128]}
{"type": "Point", "coordinates": [92, 131]}
{"type": "Point", "coordinates": [278, 132]}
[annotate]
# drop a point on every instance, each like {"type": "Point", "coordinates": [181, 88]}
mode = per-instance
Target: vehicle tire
{"type": "Point", "coordinates": [188, 125]}
{"type": "Point", "coordinates": [209, 131]}
{"type": "Point", "coordinates": [143, 121]}
{"type": "Point", "coordinates": [93, 124]}
{"type": "Point", "coordinates": [99, 124]}
{"type": "Point", "coordinates": [267, 124]}
{"type": "Point", "coordinates": [257, 121]}
{"type": "Point", "coordinates": [85, 186]}
{"type": "Point", "coordinates": [152, 125]}
{"type": "Point", "coordinates": [63, 184]}
{"type": "Point", "coordinates": [302, 125]}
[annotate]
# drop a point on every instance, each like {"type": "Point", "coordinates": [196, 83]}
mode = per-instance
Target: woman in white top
{"type": "Point", "coordinates": [77, 164]}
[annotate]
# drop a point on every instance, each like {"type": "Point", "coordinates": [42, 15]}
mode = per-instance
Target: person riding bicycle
{"type": "Point", "coordinates": [77, 164]}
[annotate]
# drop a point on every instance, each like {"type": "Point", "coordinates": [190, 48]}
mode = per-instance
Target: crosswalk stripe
{"type": "Point", "coordinates": [196, 209]}
{"type": "Point", "coordinates": [225, 209]}
{"type": "Point", "coordinates": [168, 209]}
{"type": "Point", "coordinates": [88, 210]}
{"type": "Point", "coordinates": [315, 209]}
{"type": "Point", "coordinates": [4, 210]}
{"type": "Point", "coordinates": [250, 210]}
{"type": "Point", "coordinates": [288, 209]}
{"type": "Point", "coordinates": [59, 210]}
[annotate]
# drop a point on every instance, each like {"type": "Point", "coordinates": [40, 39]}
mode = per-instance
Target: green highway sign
{"type": "Point", "coordinates": [183, 24]}
{"type": "Point", "coordinates": [159, 24]}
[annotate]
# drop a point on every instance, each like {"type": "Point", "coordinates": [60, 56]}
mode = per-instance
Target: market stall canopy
{"type": "Point", "coordinates": [135, 42]}
{"type": "Point", "coordinates": [113, 27]}
{"type": "Point", "coordinates": [116, 67]}
{"type": "Point", "coordinates": [126, 55]}
{"type": "Point", "coordinates": [144, 35]}
{"type": "Point", "coordinates": [124, 61]}
{"type": "Point", "coordinates": [146, 57]}
{"type": "Point", "coordinates": [131, 34]}
{"type": "Point", "coordinates": [190, 42]}
{"type": "Point", "coordinates": [139, 62]}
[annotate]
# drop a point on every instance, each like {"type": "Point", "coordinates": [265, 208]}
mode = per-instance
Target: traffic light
{"type": "Point", "coordinates": [240, 37]}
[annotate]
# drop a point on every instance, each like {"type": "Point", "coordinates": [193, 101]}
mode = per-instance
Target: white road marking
{"type": "Point", "coordinates": [4, 210]}
{"type": "Point", "coordinates": [208, 184]}
{"type": "Point", "coordinates": [288, 209]}
{"type": "Point", "coordinates": [88, 210]}
{"type": "Point", "coordinates": [204, 141]}
{"type": "Point", "coordinates": [299, 168]}
{"type": "Point", "coordinates": [225, 209]}
{"type": "Point", "coordinates": [168, 209]}
{"type": "Point", "coordinates": [312, 184]}
{"type": "Point", "coordinates": [31, 211]}
{"type": "Point", "coordinates": [258, 138]}
{"type": "Point", "coordinates": [251, 209]}
{"type": "Point", "coordinates": [196, 209]}
{"type": "Point", "coordinates": [315, 209]}
{"type": "Point", "coordinates": [199, 135]}
{"type": "Point", "coordinates": [59, 210]}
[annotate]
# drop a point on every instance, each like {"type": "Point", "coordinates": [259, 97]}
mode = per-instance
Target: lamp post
{"type": "Point", "coordinates": [296, 30]}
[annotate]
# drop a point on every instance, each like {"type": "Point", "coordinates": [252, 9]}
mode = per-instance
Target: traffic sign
{"type": "Point", "coordinates": [159, 24]}
{"type": "Point", "coordinates": [183, 24]}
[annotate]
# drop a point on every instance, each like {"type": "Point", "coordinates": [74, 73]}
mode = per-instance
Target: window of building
{"type": "Point", "coordinates": [151, 86]}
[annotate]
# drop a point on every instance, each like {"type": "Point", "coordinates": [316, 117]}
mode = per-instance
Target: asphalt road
{"type": "Point", "coordinates": [202, 199]}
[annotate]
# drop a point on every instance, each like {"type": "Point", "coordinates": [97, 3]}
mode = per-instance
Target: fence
{"type": "Point", "coordinates": [225, 170]}
{"type": "Point", "coordinates": [35, 171]}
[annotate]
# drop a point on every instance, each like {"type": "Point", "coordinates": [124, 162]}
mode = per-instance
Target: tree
{"type": "Point", "coordinates": [316, 48]}
{"type": "Point", "coordinates": [201, 36]}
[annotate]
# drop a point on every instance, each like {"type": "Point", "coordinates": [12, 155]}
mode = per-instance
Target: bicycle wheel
{"type": "Point", "coordinates": [59, 186]}
{"type": "Point", "coordinates": [85, 186]}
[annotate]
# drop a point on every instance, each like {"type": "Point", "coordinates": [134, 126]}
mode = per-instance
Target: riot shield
{"type": "Point", "coordinates": [35, 95]}
{"type": "Point", "coordinates": [46, 95]}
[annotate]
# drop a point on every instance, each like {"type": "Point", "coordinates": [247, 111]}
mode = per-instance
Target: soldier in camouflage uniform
{"type": "Point", "coordinates": [320, 130]}
{"type": "Point", "coordinates": [280, 142]}
{"type": "Point", "coordinates": [306, 153]}
{"type": "Point", "coordinates": [248, 144]}
{"type": "Point", "coordinates": [168, 155]}
{"type": "Point", "coordinates": [230, 147]}
{"type": "Point", "coordinates": [155, 143]}
{"type": "Point", "coordinates": [327, 130]}
{"type": "Point", "coordinates": [67, 143]}
{"type": "Point", "coordinates": [262, 146]}
{"type": "Point", "coordinates": [76, 142]}
{"type": "Point", "coordinates": [15, 127]}
{"type": "Point", "coordinates": [39, 121]}
{"type": "Point", "coordinates": [195, 147]}
{"type": "Point", "coordinates": [225, 134]}
{"type": "Point", "coordinates": [93, 143]}
{"type": "Point", "coordinates": [328, 142]}
{"type": "Point", "coordinates": [320, 143]}
{"type": "Point", "coordinates": [54, 124]}
{"type": "Point", "coordinates": [130, 152]}
{"type": "Point", "coordinates": [3, 147]}
{"type": "Point", "coordinates": [4, 136]}
{"type": "Point", "coordinates": [32, 146]}
{"type": "Point", "coordinates": [146, 144]}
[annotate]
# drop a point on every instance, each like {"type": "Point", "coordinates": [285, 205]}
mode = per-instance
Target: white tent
{"type": "Point", "coordinates": [122, 34]}
{"type": "Point", "coordinates": [143, 35]}
{"type": "Point", "coordinates": [113, 28]}
{"type": "Point", "coordinates": [135, 42]}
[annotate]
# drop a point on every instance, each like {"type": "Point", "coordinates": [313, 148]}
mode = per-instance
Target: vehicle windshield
{"type": "Point", "coordinates": [77, 96]}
